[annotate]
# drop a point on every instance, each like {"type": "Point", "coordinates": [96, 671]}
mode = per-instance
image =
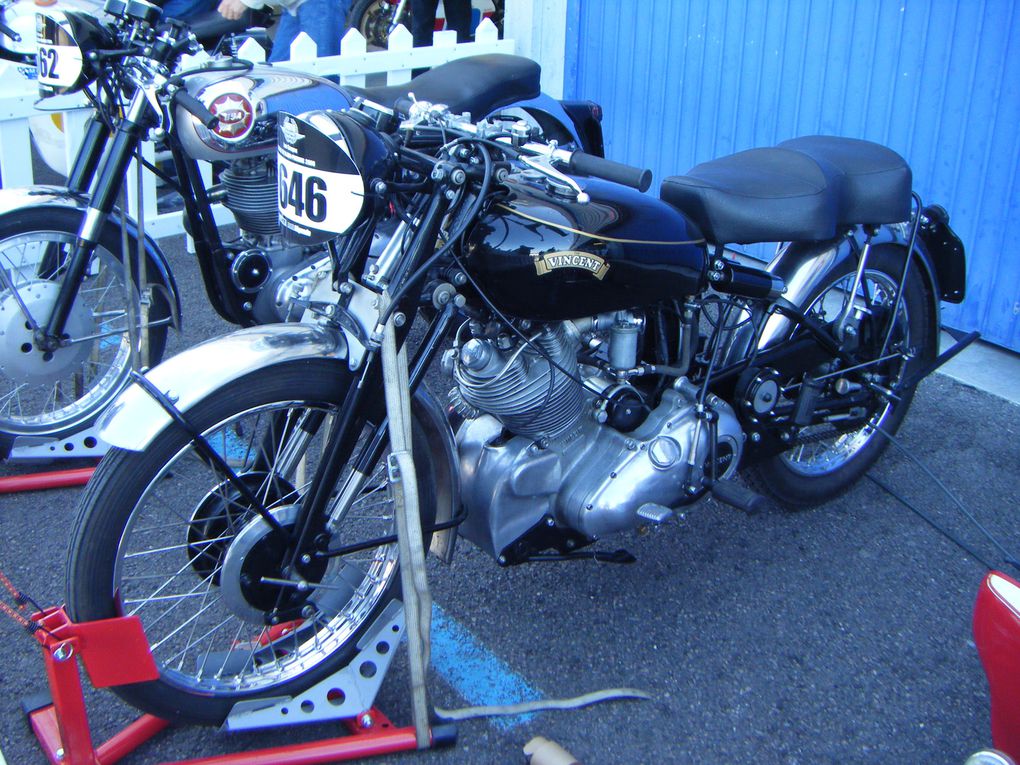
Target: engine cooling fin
{"type": "Point", "coordinates": [252, 197]}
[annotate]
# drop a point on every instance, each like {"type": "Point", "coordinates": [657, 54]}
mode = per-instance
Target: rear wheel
{"type": "Point", "coordinates": [163, 536]}
{"type": "Point", "coordinates": [829, 457]}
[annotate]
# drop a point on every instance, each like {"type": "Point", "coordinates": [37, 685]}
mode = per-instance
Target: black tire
{"type": "Point", "coordinates": [143, 502]}
{"type": "Point", "coordinates": [796, 483]}
{"type": "Point", "coordinates": [61, 395]}
{"type": "Point", "coordinates": [373, 19]}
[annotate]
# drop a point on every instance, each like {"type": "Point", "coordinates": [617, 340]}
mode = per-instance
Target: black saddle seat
{"type": "Point", "coordinates": [477, 84]}
{"type": "Point", "coordinates": [874, 181]}
{"type": "Point", "coordinates": [760, 195]}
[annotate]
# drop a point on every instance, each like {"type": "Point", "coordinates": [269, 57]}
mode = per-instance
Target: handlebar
{"type": "Point", "coordinates": [617, 172]}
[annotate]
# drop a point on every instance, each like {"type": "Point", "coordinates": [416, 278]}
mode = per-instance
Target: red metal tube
{"type": "Point", "coordinates": [57, 479]}
{"type": "Point", "coordinates": [133, 736]}
{"type": "Point", "coordinates": [319, 752]}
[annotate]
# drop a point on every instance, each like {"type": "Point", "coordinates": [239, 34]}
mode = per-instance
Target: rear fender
{"type": "Point", "coordinates": [13, 201]}
{"type": "Point", "coordinates": [944, 253]}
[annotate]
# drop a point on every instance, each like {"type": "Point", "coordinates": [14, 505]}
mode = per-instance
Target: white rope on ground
{"type": "Point", "coordinates": [413, 579]}
{"type": "Point", "coordinates": [543, 705]}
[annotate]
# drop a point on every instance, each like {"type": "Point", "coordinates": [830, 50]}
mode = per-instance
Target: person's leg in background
{"type": "Point", "coordinates": [182, 10]}
{"type": "Point", "coordinates": [322, 20]}
{"type": "Point", "coordinates": [458, 17]}
{"type": "Point", "coordinates": [423, 21]}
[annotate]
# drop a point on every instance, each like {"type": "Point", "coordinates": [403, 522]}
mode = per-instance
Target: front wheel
{"type": "Point", "coordinates": [828, 458]}
{"type": "Point", "coordinates": [162, 535]}
{"type": "Point", "coordinates": [54, 394]}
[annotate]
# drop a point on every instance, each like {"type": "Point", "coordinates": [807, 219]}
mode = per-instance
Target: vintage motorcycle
{"type": "Point", "coordinates": [609, 362]}
{"type": "Point", "coordinates": [66, 312]}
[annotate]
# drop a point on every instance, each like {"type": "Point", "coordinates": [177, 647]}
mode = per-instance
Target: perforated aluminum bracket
{"type": "Point", "coordinates": [33, 449]}
{"type": "Point", "coordinates": [347, 693]}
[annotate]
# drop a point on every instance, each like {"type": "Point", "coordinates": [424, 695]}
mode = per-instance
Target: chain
{"type": "Point", "coordinates": [21, 600]}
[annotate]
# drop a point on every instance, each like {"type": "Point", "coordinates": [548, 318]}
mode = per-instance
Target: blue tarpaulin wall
{"type": "Point", "coordinates": [682, 81]}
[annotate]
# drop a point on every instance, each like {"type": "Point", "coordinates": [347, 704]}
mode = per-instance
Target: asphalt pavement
{"type": "Point", "coordinates": [836, 635]}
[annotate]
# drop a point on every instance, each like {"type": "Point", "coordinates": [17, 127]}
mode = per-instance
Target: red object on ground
{"type": "Point", "coordinates": [115, 652]}
{"type": "Point", "coordinates": [57, 479]}
{"type": "Point", "coordinates": [997, 635]}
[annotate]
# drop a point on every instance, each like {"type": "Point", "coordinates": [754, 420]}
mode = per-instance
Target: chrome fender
{"type": "Point", "coordinates": [135, 418]}
{"type": "Point", "coordinates": [13, 201]}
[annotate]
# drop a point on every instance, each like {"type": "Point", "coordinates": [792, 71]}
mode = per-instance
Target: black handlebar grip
{"type": "Point", "coordinates": [597, 167]}
{"type": "Point", "coordinates": [196, 108]}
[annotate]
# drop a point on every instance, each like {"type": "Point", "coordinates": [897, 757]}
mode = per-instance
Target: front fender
{"type": "Point", "coordinates": [13, 201]}
{"type": "Point", "coordinates": [135, 418]}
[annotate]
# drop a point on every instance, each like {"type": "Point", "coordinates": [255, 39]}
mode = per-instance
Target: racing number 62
{"type": "Point", "coordinates": [47, 63]}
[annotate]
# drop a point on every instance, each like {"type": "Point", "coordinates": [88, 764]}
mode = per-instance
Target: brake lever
{"type": "Point", "coordinates": [545, 167]}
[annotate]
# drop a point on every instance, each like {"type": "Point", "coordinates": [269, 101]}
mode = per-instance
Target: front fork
{"type": "Point", "coordinates": [50, 336]}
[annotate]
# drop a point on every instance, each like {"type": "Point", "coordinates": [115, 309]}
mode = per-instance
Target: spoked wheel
{"type": "Point", "coordinates": [54, 393]}
{"type": "Point", "coordinates": [829, 457]}
{"type": "Point", "coordinates": [164, 536]}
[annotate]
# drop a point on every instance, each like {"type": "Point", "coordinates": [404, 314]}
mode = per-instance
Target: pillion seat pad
{"type": "Point", "coordinates": [806, 188]}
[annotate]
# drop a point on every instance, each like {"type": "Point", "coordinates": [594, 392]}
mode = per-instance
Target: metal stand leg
{"type": "Point", "coordinates": [116, 652]}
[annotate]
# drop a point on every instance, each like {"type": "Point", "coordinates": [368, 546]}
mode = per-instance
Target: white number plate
{"type": "Point", "coordinates": [58, 65]}
{"type": "Point", "coordinates": [312, 199]}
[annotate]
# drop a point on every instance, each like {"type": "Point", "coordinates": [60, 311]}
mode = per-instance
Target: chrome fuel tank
{"type": "Point", "coordinates": [247, 104]}
{"type": "Point", "coordinates": [543, 256]}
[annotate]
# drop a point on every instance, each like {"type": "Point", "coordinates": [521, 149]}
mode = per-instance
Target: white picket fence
{"type": "Point", "coordinates": [19, 100]}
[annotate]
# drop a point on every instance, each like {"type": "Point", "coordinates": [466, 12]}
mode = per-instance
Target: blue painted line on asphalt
{"type": "Point", "coordinates": [472, 670]}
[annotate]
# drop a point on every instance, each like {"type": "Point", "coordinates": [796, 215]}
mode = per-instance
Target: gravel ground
{"type": "Point", "coordinates": [837, 635]}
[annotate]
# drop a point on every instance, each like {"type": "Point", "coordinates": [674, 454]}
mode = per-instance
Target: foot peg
{"type": "Point", "coordinates": [653, 513]}
{"type": "Point", "coordinates": [740, 497]}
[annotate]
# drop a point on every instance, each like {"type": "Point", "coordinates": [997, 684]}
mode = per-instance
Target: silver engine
{"type": "Point", "coordinates": [536, 449]}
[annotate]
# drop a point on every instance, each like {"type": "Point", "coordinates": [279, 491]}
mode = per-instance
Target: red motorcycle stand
{"type": "Point", "coordinates": [997, 636]}
{"type": "Point", "coordinates": [116, 652]}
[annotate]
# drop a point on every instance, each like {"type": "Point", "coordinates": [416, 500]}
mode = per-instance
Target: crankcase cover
{"type": "Point", "coordinates": [621, 472]}
{"type": "Point", "coordinates": [542, 256]}
{"type": "Point", "coordinates": [247, 105]}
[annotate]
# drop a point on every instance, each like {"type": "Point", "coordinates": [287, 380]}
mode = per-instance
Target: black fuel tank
{"type": "Point", "coordinates": [545, 257]}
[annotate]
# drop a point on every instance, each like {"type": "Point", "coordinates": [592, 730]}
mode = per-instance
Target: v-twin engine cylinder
{"type": "Point", "coordinates": [520, 387]}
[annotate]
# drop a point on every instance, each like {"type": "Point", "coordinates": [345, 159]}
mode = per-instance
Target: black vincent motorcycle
{"type": "Point", "coordinates": [71, 298]}
{"type": "Point", "coordinates": [608, 363]}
